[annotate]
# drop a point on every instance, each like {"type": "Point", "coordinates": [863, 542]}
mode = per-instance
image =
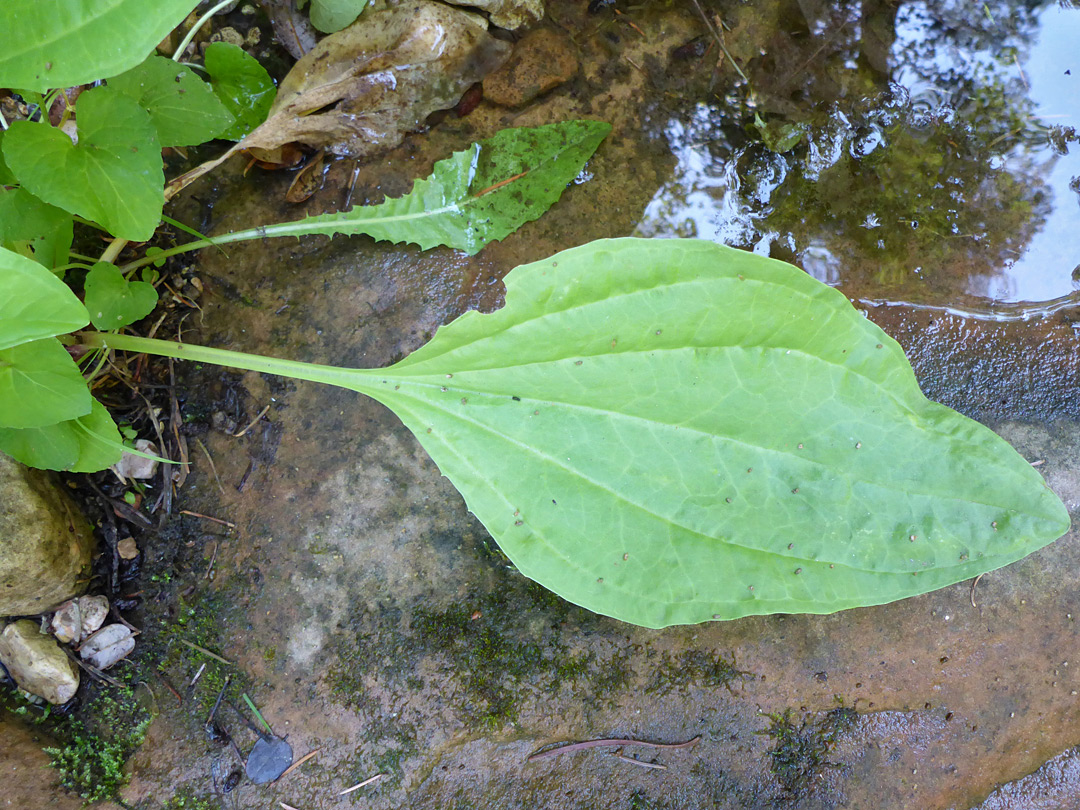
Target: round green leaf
{"type": "Point", "coordinates": [62, 43]}
{"type": "Point", "coordinates": [113, 175]}
{"type": "Point", "coordinates": [672, 431]}
{"type": "Point", "coordinates": [242, 85]}
{"type": "Point", "coordinates": [40, 385]}
{"type": "Point", "coordinates": [333, 15]}
{"type": "Point", "coordinates": [34, 303]}
{"type": "Point", "coordinates": [113, 301]}
{"type": "Point", "coordinates": [182, 107]}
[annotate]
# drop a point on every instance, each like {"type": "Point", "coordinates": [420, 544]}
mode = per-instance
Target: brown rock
{"type": "Point", "coordinates": [37, 663]}
{"type": "Point", "coordinates": [46, 542]}
{"type": "Point", "coordinates": [541, 61]}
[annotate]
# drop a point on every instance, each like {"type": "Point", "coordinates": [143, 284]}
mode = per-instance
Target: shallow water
{"type": "Point", "coordinates": [936, 160]}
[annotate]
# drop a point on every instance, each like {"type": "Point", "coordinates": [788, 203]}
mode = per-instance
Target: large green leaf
{"type": "Point", "coordinates": [40, 385]}
{"type": "Point", "coordinates": [34, 303]}
{"type": "Point", "coordinates": [668, 432]}
{"type": "Point", "coordinates": [61, 43]}
{"type": "Point", "coordinates": [673, 431]}
{"type": "Point", "coordinates": [242, 85]}
{"type": "Point", "coordinates": [112, 175]}
{"type": "Point", "coordinates": [183, 108]}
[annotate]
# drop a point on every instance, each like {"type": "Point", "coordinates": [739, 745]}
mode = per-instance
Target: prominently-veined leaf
{"type": "Point", "coordinates": [34, 303]}
{"type": "Point", "coordinates": [473, 197]}
{"type": "Point", "coordinates": [668, 432]}
{"type": "Point", "coordinates": [113, 301]}
{"type": "Point", "coordinates": [40, 385]}
{"type": "Point", "coordinates": [62, 43]}
{"type": "Point", "coordinates": [242, 85]}
{"type": "Point", "coordinates": [673, 431]}
{"type": "Point", "coordinates": [87, 444]}
{"type": "Point", "coordinates": [47, 230]}
{"type": "Point", "coordinates": [184, 109]}
{"type": "Point", "coordinates": [112, 176]}
{"type": "Point", "coordinates": [333, 15]}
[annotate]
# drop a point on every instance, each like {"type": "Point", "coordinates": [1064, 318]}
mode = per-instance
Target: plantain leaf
{"type": "Point", "coordinates": [87, 444]}
{"type": "Point", "coordinates": [670, 432]}
{"type": "Point", "coordinates": [62, 43]}
{"type": "Point", "coordinates": [34, 303]}
{"type": "Point", "coordinates": [473, 197]}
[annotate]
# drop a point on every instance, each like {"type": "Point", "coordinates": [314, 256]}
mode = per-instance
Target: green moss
{"type": "Point", "coordinates": [694, 667]}
{"type": "Point", "coordinates": [498, 649]}
{"type": "Point", "coordinates": [799, 755]}
{"type": "Point", "coordinates": [188, 801]}
{"type": "Point", "coordinates": [91, 758]}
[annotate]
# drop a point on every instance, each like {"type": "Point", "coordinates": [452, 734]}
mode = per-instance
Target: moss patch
{"type": "Point", "coordinates": [799, 755]}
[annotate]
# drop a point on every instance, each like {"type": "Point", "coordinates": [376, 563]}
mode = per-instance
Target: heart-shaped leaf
{"type": "Point", "coordinates": [113, 301]}
{"type": "Point", "coordinates": [34, 303]}
{"type": "Point", "coordinates": [183, 108]}
{"type": "Point", "coordinates": [112, 176]}
{"type": "Point", "coordinates": [40, 385]}
{"type": "Point", "coordinates": [242, 85]}
{"type": "Point", "coordinates": [63, 43]}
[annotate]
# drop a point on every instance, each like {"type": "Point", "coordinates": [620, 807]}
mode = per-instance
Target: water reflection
{"type": "Point", "coordinates": [921, 149]}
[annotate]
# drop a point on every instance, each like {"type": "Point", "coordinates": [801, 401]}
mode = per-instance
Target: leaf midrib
{"type": "Point", "coordinates": [621, 497]}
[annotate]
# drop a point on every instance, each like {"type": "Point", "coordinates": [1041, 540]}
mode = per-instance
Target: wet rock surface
{"type": "Point", "coordinates": [37, 663]}
{"type": "Point", "coordinates": [46, 541]}
{"type": "Point", "coordinates": [28, 782]}
{"type": "Point", "coordinates": [541, 61]}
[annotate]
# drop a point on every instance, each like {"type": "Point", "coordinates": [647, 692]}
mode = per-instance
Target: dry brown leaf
{"type": "Point", "coordinates": [359, 91]}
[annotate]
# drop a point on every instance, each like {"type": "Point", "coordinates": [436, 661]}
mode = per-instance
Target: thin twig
{"type": "Point", "coordinates": [207, 517]}
{"type": "Point", "coordinates": [205, 651]}
{"type": "Point", "coordinates": [298, 763]}
{"type": "Point", "coordinates": [973, 584]}
{"type": "Point", "coordinates": [169, 686]}
{"type": "Point", "coordinates": [213, 468]}
{"type": "Point", "coordinates": [500, 184]}
{"type": "Point", "coordinates": [581, 746]}
{"type": "Point", "coordinates": [365, 783]}
{"type": "Point", "coordinates": [254, 421]}
{"type": "Point", "coordinates": [640, 764]}
{"type": "Point", "coordinates": [719, 40]}
{"type": "Point", "coordinates": [198, 675]}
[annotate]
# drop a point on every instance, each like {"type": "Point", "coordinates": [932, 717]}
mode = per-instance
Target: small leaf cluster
{"type": "Point", "coordinates": [95, 163]}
